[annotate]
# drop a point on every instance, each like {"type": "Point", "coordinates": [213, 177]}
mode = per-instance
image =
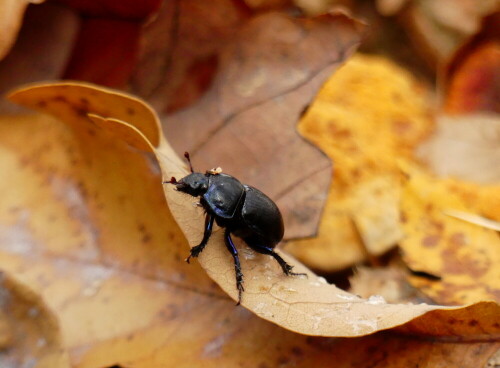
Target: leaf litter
{"type": "Point", "coordinates": [314, 307]}
{"type": "Point", "coordinates": [153, 279]}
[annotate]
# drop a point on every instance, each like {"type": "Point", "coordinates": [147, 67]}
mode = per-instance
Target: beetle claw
{"type": "Point", "coordinates": [241, 289]}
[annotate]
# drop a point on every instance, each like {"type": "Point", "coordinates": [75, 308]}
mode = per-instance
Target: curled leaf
{"type": "Point", "coordinates": [309, 306]}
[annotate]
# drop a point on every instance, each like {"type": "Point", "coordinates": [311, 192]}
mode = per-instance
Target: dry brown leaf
{"type": "Point", "coordinates": [107, 47]}
{"type": "Point", "coordinates": [309, 306]}
{"type": "Point", "coordinates": [52, 29]}
{"type": "Point", "coordinates": [179, 48]}
{"type": "Point", "coordinates": [246, 121]}
{"type": "Point", "coordinates": [109, 62]}
{"type": "Point", "coordinates": [29, 332]}
{"type": "Point", "coordinates": [367, 116]}
{"type": "Point", "coordinates": [464, 255]}
{"type": "Point", "coordinates": [465, 147]}
{"type": "Point", "coordinates": [395, 351]}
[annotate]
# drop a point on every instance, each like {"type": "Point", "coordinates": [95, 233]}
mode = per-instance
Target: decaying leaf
{"type": "Point", "coordinates": [246, 122]}
{"type": "Point", "coordinates": [463, 255]}
{"type": "Point", "coordinates": [309, 306]}
{"type": "Point", "coordinates": [368, 115]}
{"type": "Point", "coordinates": [29, 332]}
{"type": "Point", "coordinates": [465, 147]}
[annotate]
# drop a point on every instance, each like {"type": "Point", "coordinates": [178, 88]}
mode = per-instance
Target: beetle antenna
{"type": "Point", "coordinates": [186, 155]}
{"type": "Point", "coordinates": [171, 181]}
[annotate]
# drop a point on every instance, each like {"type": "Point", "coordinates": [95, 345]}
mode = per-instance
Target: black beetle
{"type": "Point", "coordinates": [241, 209]}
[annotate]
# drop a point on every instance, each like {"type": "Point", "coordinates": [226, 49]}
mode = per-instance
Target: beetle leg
{"type": "Point", "coordinates": [287, 269]}
{"type": "Point", "coordinates": [237, 267]}
{"type": "Point", "coordinates": [195, 251]}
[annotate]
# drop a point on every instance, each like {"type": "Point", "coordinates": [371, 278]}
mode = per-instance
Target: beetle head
{"type": "Point", "coordinates": [194, 184]}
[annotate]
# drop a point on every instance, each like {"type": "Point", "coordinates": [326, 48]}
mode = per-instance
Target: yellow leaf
{"type": "Point", "coordinates": [462, 254]}
{"type": "Point", "coordinates": [369, 115]}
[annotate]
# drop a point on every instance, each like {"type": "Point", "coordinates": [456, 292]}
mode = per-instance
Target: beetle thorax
{"type": "Point", "coordinates": [195, 184]}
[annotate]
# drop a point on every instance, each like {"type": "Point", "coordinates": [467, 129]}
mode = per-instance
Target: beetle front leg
{"type": "Point", "coordinates": [237, 267]}
{"type": "Point", "coordinates": [209, 224]}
